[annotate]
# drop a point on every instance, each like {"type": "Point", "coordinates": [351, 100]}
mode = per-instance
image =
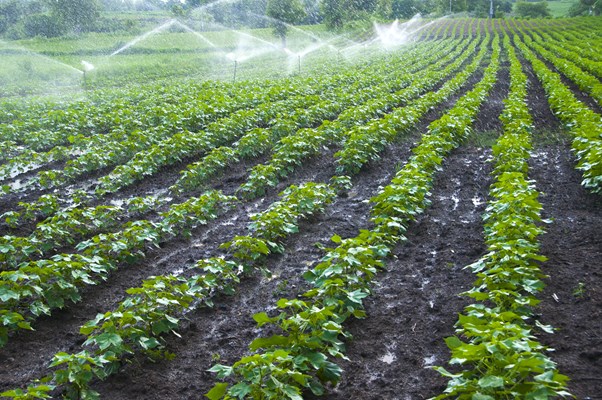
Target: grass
{"type": "Point", "coordinates": [547, 136]}
{"type": "Point", "coordinates": [560, 8]}
{"type": "Point", "coordinates": [484, 139]}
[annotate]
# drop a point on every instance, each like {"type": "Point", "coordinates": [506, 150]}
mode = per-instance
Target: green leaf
{"type": "Point", "coordinates": [276, 340]}
{"type": "Point", "coordinates": [240, 390]}
{"type": "Point", "coordinates": [148, 343]}
{"type": "Point", "coordinates": [330, 372]}
{"type": "Point", "coordinates": [106, 340]}
{"type": "Point", "coordinates": [221, 370]}
{"type": "Point", "coordinates": [357, 296]}
{"type": "Point", "coordinates": [292, 392]}
{"type": "Point", "coordinates": [545, 328]}
{"type": "Point", "coordinates": [261, 318]}
{"type": "Point", "coordinates": [218, 391]}
{"type": "Point", "coordinates": [491, 381]}
{"type": "Point", "coordinates": [453, 342]}
{"type": "Point", "coordinates": [480, 396]}
{"type": "Point", "coordinates": [6, 294]}
{"type": "Point", "coordinates": [316, 359]}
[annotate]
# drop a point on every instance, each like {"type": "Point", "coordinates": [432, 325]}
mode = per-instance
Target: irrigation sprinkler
{"type": "Point", "coordinates": [299, 59]}
{"type": "Point", "coordinates": [87, 67]}
{"type": "Point", "coordinates": [231, 56]}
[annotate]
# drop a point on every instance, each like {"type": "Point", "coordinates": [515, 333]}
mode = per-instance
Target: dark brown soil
{"type": "Point", "coordinates": [415, 302]}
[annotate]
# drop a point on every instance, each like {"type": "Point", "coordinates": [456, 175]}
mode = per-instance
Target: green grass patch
{"type": "Point", "coordinates": [560, 8]}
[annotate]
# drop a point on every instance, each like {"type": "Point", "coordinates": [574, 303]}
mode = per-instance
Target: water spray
{"type": "Point", "coordinates": [87, 67]}
{"type": "Point", "coordinates": [232, 56]}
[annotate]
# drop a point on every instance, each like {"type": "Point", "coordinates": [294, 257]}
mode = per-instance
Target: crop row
{"type": "Point", "coordinates": [101, 152]}
{"type": "Point", "coordinates": [243, 247]}
{"type": "Point", "coordinates": [260, 141]}
{"type": "Point", "coordinates": [568, 52]}
{"type": "Point", "coordinates": [292, 150]}
{"type": "Point", "coordinates": [174, 110]}
{"type": "Point", "coordinates": [66, 227]}
{"type": "Point", "coordinates": [219, 132]}
{"type": "Point", "coordinates": [284, 365]}
{"type": "Point", "coordinates": [168, 152]}
{"type": "Point", "coordinates": [584, 124]}
{"type": "Point", "coordinates": [38, 287]}
{"type": "Point", "coordinates": [76, 140]}
{"type": "Point", "coordinates": [585, 81]}
{"type": "Point", "coordinates": [500, 356]}
{"type": "Point", "coordinates": [155, 308]}
{"type": "Point", "coordinates": [121, 144]}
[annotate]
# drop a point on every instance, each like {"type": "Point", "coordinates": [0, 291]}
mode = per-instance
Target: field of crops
{"type": "Point", "coordinates": [423, 222]}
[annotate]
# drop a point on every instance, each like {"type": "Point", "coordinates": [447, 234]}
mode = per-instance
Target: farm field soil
{"type": "Point", "coordinates": [415, 302]}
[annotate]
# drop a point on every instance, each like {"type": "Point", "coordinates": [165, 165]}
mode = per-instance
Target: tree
{"type": "Point", "coordinates": [384, 9]}
{"type": "Point", "coordinates": [532, 10]}
{"type": "Point", "coordinates": [339, 13]}
{"type": "Point", "coordinates": [284, 12]}
{"type": "Point", "coordinates": [75, 15]}
{"type": "Point", "coordinates": [332, 10]}
{"type": "Point", "coordinates": [41, 25]}
{"type": "Point", "coordinates": [585, 7]}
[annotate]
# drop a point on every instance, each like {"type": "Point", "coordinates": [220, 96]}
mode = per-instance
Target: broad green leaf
{"type": "Point", "coordinates": [357, 295]}
{"type": "Point", "coordinates": [7, 294]}
{"type": "Point", "coordinates": [148, 343]}
{"type": "Point", "coordinates": [316, 359]}
{"type": "Point", "coordinates": [221, 370]}
{"type": "Point", "coordinates": [330, 372]}
{"type": "Point", "coordinates": [217, 392]}
{"type": "Point", "coordinates": [480, 396]}
{"type": "Point", "coordinates": [491, 381]}
{"type": "Point", "coordinates": [261, 318]}
{"type": "Point", "coordinates": [106, 340]}
{"type": "Point", "coordinates": [453, 342]}
{"type": "Point", "coordinates": [240, 390]}
{"type": "Point", "coordinates": [276, 340]}
{"type": "Point", "coordinates": [292, 392]}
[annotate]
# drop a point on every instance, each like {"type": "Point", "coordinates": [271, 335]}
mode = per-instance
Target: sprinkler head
{"type": "Point", "coordinates": [87, 66]}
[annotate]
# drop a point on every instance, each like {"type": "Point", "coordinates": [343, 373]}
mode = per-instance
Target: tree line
{"type": "Point", "coordinates": [52, 18]}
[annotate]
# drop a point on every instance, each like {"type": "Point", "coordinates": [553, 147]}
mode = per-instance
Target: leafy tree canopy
{"type": "Point", "coordinates": [284, 12]}
{"type": "Point", "coordinates": [532, 10]}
